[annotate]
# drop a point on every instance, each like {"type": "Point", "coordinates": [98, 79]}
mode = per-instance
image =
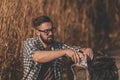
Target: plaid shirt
{"type": "Point", "coordinates": [31, 68]}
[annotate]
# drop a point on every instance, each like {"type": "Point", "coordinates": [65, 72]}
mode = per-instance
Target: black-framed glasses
{"type": "Point", "coordinates": [48, 30]}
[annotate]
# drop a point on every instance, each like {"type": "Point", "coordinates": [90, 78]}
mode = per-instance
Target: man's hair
{"type": "Point", "coordinates": [39, 20]}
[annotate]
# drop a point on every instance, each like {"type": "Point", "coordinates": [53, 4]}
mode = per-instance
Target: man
{"type": "Point", "coordinates": [42, 55]}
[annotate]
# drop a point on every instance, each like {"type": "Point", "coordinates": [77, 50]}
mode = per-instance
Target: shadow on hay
{"type": "Point", "coordinates": [103, 67]}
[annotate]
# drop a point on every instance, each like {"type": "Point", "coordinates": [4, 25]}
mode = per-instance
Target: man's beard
{"type": "Point", "coordinates": [48, 41]}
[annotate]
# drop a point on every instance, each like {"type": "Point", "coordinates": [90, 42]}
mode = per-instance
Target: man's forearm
{"type": "Point", "coordinates": [46, 56]}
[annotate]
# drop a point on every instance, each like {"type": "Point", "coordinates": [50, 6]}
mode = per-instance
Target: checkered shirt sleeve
{"type": "Point", "coordinates": [31, 68]}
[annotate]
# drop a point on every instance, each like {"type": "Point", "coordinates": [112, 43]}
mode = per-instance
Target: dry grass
{"type": "Point", "coordinates": [76, 22]}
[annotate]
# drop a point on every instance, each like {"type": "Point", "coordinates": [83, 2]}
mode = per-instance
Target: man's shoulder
{"type": "Point", "coordinates": [29, 40]}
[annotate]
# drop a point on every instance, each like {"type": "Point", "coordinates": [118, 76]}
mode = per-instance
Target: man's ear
{"type": "Point", "coordinates": [37, 32]}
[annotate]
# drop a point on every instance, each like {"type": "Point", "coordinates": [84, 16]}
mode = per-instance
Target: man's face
{"type": "Point", "coordinates": [45, 31]}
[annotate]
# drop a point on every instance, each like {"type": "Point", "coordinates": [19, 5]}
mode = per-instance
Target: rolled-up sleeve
{"type": "Point", "coordinates": [30, 67]}
{"type": "Point", "coordinates": [28, 51]}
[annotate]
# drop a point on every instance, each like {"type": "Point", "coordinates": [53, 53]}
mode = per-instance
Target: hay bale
{"type": "Point", "coordinates": [101, 68]}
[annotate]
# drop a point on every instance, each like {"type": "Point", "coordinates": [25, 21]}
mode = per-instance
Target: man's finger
{"type": "Point", "coordinates": [78, 58]}
{"type": "Point", "coordinates": [85, 58]}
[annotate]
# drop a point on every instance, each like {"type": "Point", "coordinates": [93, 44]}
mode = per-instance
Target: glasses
{"type": "Point", "coordinates": [48, 30]}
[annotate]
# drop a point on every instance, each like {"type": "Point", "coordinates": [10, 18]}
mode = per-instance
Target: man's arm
{"type": "Point", "coordinates": [84, 52]}
{"type": "Point", "coordinates": [46, 56]}
{"type": "Point", "coordinates": [31, 51]}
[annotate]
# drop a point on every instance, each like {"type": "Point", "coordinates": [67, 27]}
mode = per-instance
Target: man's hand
{"type": "Point", "coordinates": [77, 55]}
{"type": "Point", "coordinates": [74, 55]}
{"type": "Point", "coordinates": [87, 52]}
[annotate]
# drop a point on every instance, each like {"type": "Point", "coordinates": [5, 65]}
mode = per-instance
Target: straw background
{"type": "Point", "coordinates": [89, 23]}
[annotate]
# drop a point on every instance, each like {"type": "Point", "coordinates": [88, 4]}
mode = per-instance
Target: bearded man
{"type": "Point", "coordinates": [42, 55]}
